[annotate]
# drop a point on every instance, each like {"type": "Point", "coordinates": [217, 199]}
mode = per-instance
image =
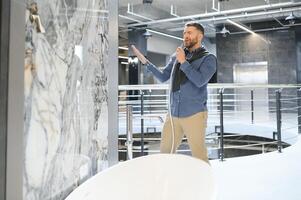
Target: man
{"type": "Point", "coordinates": [192, 68]}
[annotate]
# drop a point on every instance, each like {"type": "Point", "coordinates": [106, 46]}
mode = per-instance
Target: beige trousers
{"type": "Point", "coordinates": [194, 127]}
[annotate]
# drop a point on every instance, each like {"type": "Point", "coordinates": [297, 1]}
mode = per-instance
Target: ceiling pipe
{"type": "Point", "coordinates": [224, 18]}
{"type": "Point", "coordinates": [221, 13]}
{"type": "Point", "coordinates": [131, 12]}
{"type": "Point", "coordinates": [215, 19]}
{"type": "Point", "coordinates": [240, 26]}
{"type": "Point", "coordinates": [248, 30]}
{"type": "Point", "coordinates": [277, 20]}
{"type": "Point", "coordinates": [141, 16]}
{"type": "Point", "coordinates": [213, 6]}
{"type": "Point", "coordinates": [152, 31]}
{"type": "Point", "coordinates": [129, 18]}
{"type": "Point", "coordinates": [261, 30]}
{"type": "Point", "coordinates": [253, 14]}
{"type": "Point", "coordinates": [130, 7]}
{"type": "Point", "coordinates": [173, 10]}
{"type": "Point", "coordinates": [244, 32]}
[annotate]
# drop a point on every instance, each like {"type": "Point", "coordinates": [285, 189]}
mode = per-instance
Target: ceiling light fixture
{"type": "Point", "coordinates": [291, 18]}
{"type": "Point", "coordinates": [240, 26]}
{"type": "Point", "coordinates": [225, 31]}
{"type": "Point", "coordinates": [123, 57]}
{"type": "Point", "coordinates": [164, 34]}
{"type": "Point", "coordinates": [147, 34]}
{"type": "Point", "coordinates": [123, 48]}
{"type": "Point", "coordinates": [248, 30]}
{"type": "Point", "coordinates": [133, 60]}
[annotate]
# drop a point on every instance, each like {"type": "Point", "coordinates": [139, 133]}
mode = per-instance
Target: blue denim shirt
{"type": "Point", "coordinates": [192, 96]}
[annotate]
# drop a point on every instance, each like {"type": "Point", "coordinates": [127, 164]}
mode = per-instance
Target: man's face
{"type": "Point", "coordinates": [192, 37]}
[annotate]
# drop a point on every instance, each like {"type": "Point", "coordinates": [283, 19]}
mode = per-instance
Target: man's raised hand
{"type": "Point", "coordinates": [139, 55]}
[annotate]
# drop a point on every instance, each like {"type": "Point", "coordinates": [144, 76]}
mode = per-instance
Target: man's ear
{"type": "Point", "coordinates": [201, 36]}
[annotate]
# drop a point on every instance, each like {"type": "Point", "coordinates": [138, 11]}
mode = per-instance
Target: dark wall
{"type": "Point", "coordinates": [157, 59]}
{"type": "Point", "coordinates": [4, 43]}
{"type": "Point", "coordinates": [282, 60]}
{"type": "Point", "coordinates": [123, 75]}
{"type": "Point", "coordinates": [243, 48]}
{"type": "Point", "coordinates": [298, 52]}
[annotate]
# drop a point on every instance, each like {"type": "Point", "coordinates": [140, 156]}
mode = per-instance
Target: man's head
{"type": "Point", "coordinates": [193, 35]}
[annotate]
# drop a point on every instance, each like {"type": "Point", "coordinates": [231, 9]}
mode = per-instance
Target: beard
{"type": "Point", "coordinates": [190, 43]}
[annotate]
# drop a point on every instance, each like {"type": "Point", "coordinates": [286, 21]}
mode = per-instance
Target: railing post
{"type": "Point", "coordinates": [299, 109]}
{"type": "Point", "coordinates": [278, 117]}
{"type": "Point", "coordinates": [142, 121]}
{"type": "Point", "coordinates": [221, 107]}
{"type": "Point", "coordinates": [129, 132]}
{"type": "Point", "coordinates": [252, 106]}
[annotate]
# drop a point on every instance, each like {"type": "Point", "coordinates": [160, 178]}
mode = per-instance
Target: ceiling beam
{"type": "Point", "coordinates": [254, 9]}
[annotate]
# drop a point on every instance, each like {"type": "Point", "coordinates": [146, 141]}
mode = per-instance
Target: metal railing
{"type": "Point", "coordinates": [231, 108]}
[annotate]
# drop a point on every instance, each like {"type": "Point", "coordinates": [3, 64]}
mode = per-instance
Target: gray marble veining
{"type": "Point", "coordinates": [65, 95]}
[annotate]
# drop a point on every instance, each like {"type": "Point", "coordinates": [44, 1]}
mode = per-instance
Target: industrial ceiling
{"type": "Point", "coordinates": [169, 16]}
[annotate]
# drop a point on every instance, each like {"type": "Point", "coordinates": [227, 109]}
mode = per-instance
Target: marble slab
{"type": "Point", "coordinates": [66, 85]}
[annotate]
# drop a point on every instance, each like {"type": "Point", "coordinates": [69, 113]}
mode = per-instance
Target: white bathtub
{"type": "Point", "coordinates": [154, 177]}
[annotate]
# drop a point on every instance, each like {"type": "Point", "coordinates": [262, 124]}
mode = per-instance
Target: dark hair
{"type": "Point", "coordinates": [196, 25]}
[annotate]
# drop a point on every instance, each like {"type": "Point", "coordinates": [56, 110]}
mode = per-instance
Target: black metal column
{"type": "Point", "coordinates": [142, 121]}
{"type": "Point", "coordinates": [299, 109]}
{"type": "Point", "coordinates": [278, 116]}
{"type": "Point", "coordinates": [221, 107]}
{"type": "Point", "coordinates": [4, 66]}
{"type": "Point", "coordinates": [136, 38]}
{"type": "Point", "coordinates": [298, 70]}
{"type": "Point", "coordinates": [252, 106]}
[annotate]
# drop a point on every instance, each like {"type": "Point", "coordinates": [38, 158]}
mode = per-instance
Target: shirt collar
{"type": "Point", "coordinates": [187, 52]}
